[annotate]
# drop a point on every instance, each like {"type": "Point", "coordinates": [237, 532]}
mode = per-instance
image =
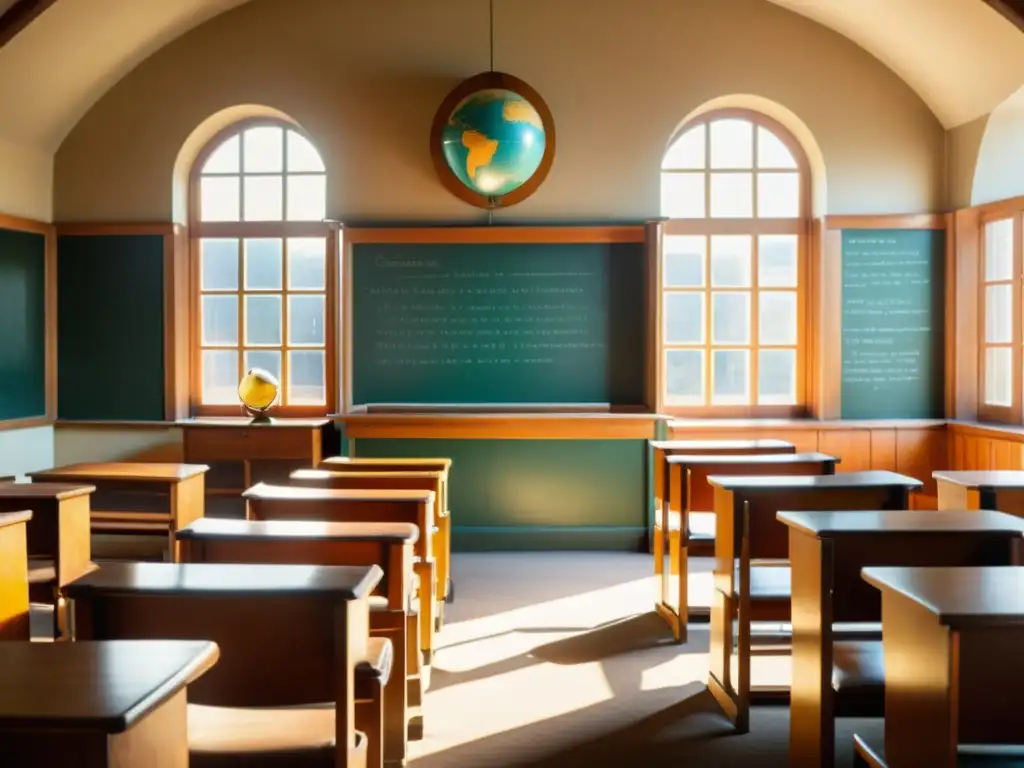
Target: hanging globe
{"type": "Point", "coordinates": [258, 391]}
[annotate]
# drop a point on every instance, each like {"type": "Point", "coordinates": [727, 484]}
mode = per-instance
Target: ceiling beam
{"type": "Point", "coordinates": [20, 15]}
{"type": "Point", "coordinates": [1011, 10]}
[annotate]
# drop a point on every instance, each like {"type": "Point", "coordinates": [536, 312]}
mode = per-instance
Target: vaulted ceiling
{"type": "Point", "coordinates": [57, 57]}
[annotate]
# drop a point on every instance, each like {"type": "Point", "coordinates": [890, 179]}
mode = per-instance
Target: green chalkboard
{"type": "Point", "coordinates": [498, 323]}
{"type": "Point", "coordinates": [893, 323]}
{"type": "Point", "coordinates": [22, 324]}
{"type": "Point", "coordinates": [110, 327]}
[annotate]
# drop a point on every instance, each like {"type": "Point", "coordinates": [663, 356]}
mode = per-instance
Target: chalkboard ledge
{"type": "Point", "coordinates": [502, 426]}
{"type": "Point", "coordinates": [816, 424]}
{"type": "Point", "coordinates": [32, 421]}
{"type": "Point", "coordinates": [111, 424]}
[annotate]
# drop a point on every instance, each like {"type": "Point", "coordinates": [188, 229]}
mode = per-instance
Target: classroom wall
{"type": "Point", "coordinates": [26, 450]}
{"type": "Point", "coordinates": [999, 173]}
{"type": "Point", "coordinates": [963, 144]}
{"type": "Point", "coordinates": [26, 182]}
{"type": "Point", "coordinates": [365, 78]}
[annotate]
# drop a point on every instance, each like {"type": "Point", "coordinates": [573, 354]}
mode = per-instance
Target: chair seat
{"type": "Point", "coordinates": [41, 570]}
{"type": "Point", "coordinates": [858, 678]}
{"type": "Point", "coordinates": [375, 670]}
{"type": "Point", "coordinates": [768, 582]}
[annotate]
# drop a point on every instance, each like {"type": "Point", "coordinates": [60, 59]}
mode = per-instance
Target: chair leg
{"type": "Point", "coordinates": [425, 569]}
{"type": "Point", "coordinates": [370, 720]}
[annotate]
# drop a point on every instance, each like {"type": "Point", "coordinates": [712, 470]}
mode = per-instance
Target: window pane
{"type": "Point", "coordinates": [225, 158]}
{"type": "Point", "coordinates": [307, 198]}
{"type": "Point", "coordinates": [263, 268]}
{"type": "Point", "coordinates": [219, 321]}
{"type": "Point", "coordinates": [684, 260]}
{"type": "Point", "coordinates": [687, 151]}
{"type": "Point", "coordinates": [682, 195]}
{"type": "Point", "coordinates": [684, 376]}
{"type": "Point", "coordinates": [732, 144]}
{"type": "Point", "coordinates": [219, 265]}
{"type": "Point", "coordinates": [219, 198]}
{"type": "Point", "coordinates": [730, 318]}
{"type": "Point", "coordinates": [264, 150]}
{"type": "Point", "coordinates": [778, 195]}
{"type": "Point", "coordinates": [732, 196]}
{"type": "Point", "coordinates": [306, 320]}
{"type": "Point", "coordinates": [684, 318]}
{"type": "Point", "coordinates": [263, 321]}
{"type": "Point", "coordinates": [730, 376]}
{"type": "Point", "coordinates": [999, 314]}
{"type": "Point", "coordinates": [771, 152]}
{"type": "Point", "coordinates": [302, 155]}
{"type": "Point", "coordinates": [999, 376]}
{"type": "Point", "coordinates": [999, 250]}
{"type": "Point", "coordinates": [777, 317]}
{"type": "Point", "coordinates": [220, 377]}
{"type": "Point", "coordinates": [776, 377]}
{"type": "Point", "coordinates": [307, 382]}
{"type": "Point", "coordinates": [264, 198]}
{"type": "Point", "coordinates": [776, 261]}
{"type": "Point", "coordinates": [307, 263]}
{"type": "Point", "coordinates": [267, 359]}
{"type": "Point", "coordinates": [730, 261]}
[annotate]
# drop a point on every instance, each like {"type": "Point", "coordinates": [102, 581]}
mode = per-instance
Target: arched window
{"type": "Point", "coordinates": [735, 191]}
{"type": "Point", "coordinates": [264, 268]}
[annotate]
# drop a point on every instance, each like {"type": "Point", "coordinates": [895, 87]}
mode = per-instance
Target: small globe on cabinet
{"type": "Point", "coordinates": [258, 391]}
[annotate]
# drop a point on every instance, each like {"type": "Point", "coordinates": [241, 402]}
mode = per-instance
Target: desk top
{"type": "Point", "coordinates": [354, 461]}
{"type": "Point", "coordinates": [241, 422]}
{"type": "Point", "coordinates": [752, 458]}
{"type": "Point", "coordinates": [14, 518]}
{"type": "Point", "coordinates": [999, 478]}
{"type": "Point", "coordinates": [826, 524]}
{"type": "Point", "coordinates": [214, 579]}
{"type": "Point", "coordinates": [99, 686]}
{"type": "Point", "coordinates": [305, 493]}
{"type": "Point", "coordinates": [212, 528]}
{"type": "Point", "coordinates": [56, 491]}
{"type": "Point", "coordinates": [959, 597]}
{"type": "Point", "coordinates": [708, 446]}
{"type": "Point", "coordinates": [848, 480]}
{"type": "Point", "coordinates": [134, 471]}
{"type": "Point", "coordinates": [323, 474]}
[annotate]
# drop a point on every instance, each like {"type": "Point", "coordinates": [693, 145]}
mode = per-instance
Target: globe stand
{"type": "Point", "coordinates": [258, 417]}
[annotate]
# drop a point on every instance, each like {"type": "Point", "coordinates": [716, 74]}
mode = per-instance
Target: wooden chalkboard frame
{"type": "Point", "coordinates": [478, 235]}
{"type": "Point", "coordinates": [829, 341]}
{"type": "Point", "coordinates": [19, 224]}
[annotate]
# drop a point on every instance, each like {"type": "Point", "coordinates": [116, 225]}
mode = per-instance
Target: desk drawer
{"type": "Point", "coordinates": [205, 444]}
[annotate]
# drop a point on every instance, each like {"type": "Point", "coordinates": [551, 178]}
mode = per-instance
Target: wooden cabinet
{"type": "Point", "coordinates": [241, 454]}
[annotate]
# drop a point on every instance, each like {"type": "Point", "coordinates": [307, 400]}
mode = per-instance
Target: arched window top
{"type": "Point", "coordinates": [728, 143]}
{"type": "Point", "coordinates": [261, 173]}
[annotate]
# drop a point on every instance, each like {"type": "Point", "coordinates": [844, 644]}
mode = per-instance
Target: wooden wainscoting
{"type": "Point", "coordinates": [985, 446]}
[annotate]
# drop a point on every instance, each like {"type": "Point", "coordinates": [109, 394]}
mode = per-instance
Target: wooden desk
{"type": "Point", "coordinates": [58, 538]}
{"type": "Point", "coordinates": [350, 505]}
{"type": "Point", "coordinates": [995, 489]}
{"type": "Point", "coordinates": [98, 705]}
{"type": "Point", "coordinates": [827, 551]}
{"type": "Point", "coordinates": [14, 621]}
{"type": "Point", "coordinates": [689, 494]}
{"type": "Point", "coordinates": [389, 545]}
{"type": "Point", "coordinates": [241, 454]}
{"type": "Point", "coordinates": [290, 637]}
{"type": "Point", "coordinates": [746, 530]}
{"type": "Point", "coordinates": [952, 640]}
{"type": "Point", "coordinates": [137, 499]}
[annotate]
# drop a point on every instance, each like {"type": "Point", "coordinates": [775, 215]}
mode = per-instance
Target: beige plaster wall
{"type": "Point", "coordinates": [26, 182]}
{"type": "Point", "coordinates": [1000, 157]}
{"type": "Point", "coordinates": [962, 147]}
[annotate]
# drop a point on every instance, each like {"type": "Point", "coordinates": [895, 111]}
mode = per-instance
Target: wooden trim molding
{"type": "Point", "coordinates": [18, 16]}
{"type": "Point", "coordinates": [114, 228]}
{"type": "Point", "coordinates": [629, 233]}
{"type": "Point", "coordinates": [555, 426]}
{"type": "Point", "coordinates": [34, 421]}
{"type": "Point", "coordinates": [893, 221]}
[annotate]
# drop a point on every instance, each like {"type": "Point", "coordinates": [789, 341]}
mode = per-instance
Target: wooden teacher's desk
{"type": "Point", "coordinates": [118, 704]}
{"type": "Point", "coordinates": [952, 640]}
{"type": "Point", "coordinates": [827, 550]}
{"type": "Point", "coordinates": [994, 489]}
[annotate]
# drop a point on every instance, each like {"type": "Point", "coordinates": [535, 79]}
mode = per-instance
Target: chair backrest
{"type": "Point", "coordinates": [415, 480]}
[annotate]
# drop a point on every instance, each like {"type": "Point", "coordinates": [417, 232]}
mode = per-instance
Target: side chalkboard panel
{"type": "Point", "coordinates": [893, 326]}
{"type": "Point", "coordinates": [498, 323]}
{"type": "Point", "coordinates": [110, 327]}
{"type": "Point", "coordinates": [22, 324]}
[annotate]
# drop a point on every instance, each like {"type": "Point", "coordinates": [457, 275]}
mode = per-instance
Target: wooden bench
{"type": "Point", "coordinates": [393, 480]}
{"type": "Point", "coordinates": [827, 551]}
{"type": "Point", "coordinates": [995, 489]}
{"type": "Point", "coordinates": [353, 505]}
{"type": "Point", "coordinates": [291, 638]}
{"type": "Point", "coordinates": [444, 519]}
{"type": "Point", "coordinates": [14, 617]}
{"type": "Point", "coordinates": [389, 545]}
{"type": "Point", "coordinates": [58, 539]}
{"type": "Point", "coordinates": [952, 640]}
{"type": "Point", "coordinates": [752, 577]}
{"type": "Point", "coordinates": [689, 494]}
{"type": "Point", "coordinates": [137, 507]}
{"type": "Point", "coordinates": [115, 704]}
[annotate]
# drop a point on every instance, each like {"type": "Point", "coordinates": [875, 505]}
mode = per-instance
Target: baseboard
{"type": "Point", "coordinates": [548, 538]}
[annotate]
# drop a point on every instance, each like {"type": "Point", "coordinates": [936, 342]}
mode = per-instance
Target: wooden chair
{"type": "Point", "coordinates": [58, 539]}
{"type": "Point", "coordinates": [14, 618]}
{"type": "Point", "coordinates": [388, 545]}
{"type": "Point", "coordinates": [352, 505]}
{"type": "Point", "coordinates": [291, 638]}
{"type": "Point", "coordinates": [444, 518]}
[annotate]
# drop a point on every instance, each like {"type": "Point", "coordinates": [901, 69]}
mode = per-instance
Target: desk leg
{"type": "Point", "coordinates": [352, 630]}
{"type": "Point", "coordinates": [188, 503]}
{"type": "Point", "coordinates": [426, 571]}
{"type": "Point", "coordinates": [159, 740]}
